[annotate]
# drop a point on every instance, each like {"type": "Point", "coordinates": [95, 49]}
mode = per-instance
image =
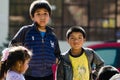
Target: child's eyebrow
{"type": "Point", "coordinates": [40, 10]}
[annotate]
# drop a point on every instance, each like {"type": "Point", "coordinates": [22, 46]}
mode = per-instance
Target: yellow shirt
{"type": "Point", "coordinates": [80, 67]}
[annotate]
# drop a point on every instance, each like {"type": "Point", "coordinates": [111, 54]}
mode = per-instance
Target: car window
{"type": "Point", "coordinates": [108, 55]}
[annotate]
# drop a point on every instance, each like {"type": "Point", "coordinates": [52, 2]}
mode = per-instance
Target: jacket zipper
{"type": "Point", "coordinates": [42, 40]}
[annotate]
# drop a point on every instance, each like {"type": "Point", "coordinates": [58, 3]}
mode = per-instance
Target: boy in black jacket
{"type": "Point", "coordinates": [77, 62]}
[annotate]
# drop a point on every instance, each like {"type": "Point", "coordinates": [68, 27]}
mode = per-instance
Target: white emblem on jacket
{"type": "Point", "coordinates": [52, 44]}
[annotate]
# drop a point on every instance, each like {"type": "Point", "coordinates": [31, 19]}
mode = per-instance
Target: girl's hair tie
{"type": "Point", "coordinates": [5, 54]}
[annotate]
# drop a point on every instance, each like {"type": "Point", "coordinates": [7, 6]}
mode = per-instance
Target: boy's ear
{"type": "Point", "coordinates": [32, 18]}
{"type": "Point", "coordinates": [67, 40]}
{"type": "Point", "coordinates": [84, 40]}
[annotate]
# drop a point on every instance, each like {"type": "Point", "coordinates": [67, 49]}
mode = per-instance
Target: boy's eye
{"type": "Point", "coordinates": [44, 14]}
{"type": "Point", "coordinates": [71, 38]}
{"type": "Point", "coordinates": [80, 37]}
{"type": "Point", "coordinates": [38, 13]}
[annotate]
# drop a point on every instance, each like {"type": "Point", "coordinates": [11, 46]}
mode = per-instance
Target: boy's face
{"type": "Point", "coordinates": [41, 16]}
{"type": "Point", "coordinates": [76, 40]}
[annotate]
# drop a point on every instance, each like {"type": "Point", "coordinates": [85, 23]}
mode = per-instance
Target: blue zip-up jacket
{"type": "Point", "coordinates": [45, 49]}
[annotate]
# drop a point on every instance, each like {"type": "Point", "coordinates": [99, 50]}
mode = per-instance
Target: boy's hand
{"type": "Point", "coordinates": [57, 60]}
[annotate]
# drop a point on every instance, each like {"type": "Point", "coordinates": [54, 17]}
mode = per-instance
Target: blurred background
{"type": "Point", "coordinates": [100, 19]}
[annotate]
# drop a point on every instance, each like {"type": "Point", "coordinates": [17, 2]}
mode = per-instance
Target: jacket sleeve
{"type": "Point", "coordinates": [60, 71]}
{"type": "Point", "coordinates": [18, 39]}
{"type": "Point", "coordinates": [57, 50]}
{"type": "Point", "coordinates": [57, 47]}
{"type": "Point", "coordinates": [98, 61]}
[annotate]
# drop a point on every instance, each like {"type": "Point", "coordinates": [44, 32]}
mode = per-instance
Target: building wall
{"type": "Point", "coordinates": [99, 18]}
{"type": "Point", "coordinates": [4, 21]}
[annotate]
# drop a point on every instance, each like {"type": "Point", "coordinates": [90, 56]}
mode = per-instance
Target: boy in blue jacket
{"type": "Point", "coordinates": [41, 39]}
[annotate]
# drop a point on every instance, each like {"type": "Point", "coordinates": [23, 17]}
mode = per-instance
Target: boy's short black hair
{"type": "Point", "coordinates": [39, 4]}
{"type": "Point", "coordinates": [75, 29]}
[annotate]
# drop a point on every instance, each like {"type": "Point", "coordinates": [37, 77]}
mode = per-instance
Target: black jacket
{"type": "Point", "coordinates": [65, 72]}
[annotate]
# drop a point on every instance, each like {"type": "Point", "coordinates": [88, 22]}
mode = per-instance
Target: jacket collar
{"type": "Point", "coordinates": [66, 55]}
{"type": "Point", "coordinates": [49, 29]}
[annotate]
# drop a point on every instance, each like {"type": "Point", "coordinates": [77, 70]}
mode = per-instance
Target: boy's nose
{"type": "Point", "coordinates": [76, 40]}
{"type": "Point", "coordinates": [42, 17]}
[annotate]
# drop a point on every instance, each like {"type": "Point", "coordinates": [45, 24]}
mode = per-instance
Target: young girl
{"type": "Point", "coordinates": [14, 63]}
